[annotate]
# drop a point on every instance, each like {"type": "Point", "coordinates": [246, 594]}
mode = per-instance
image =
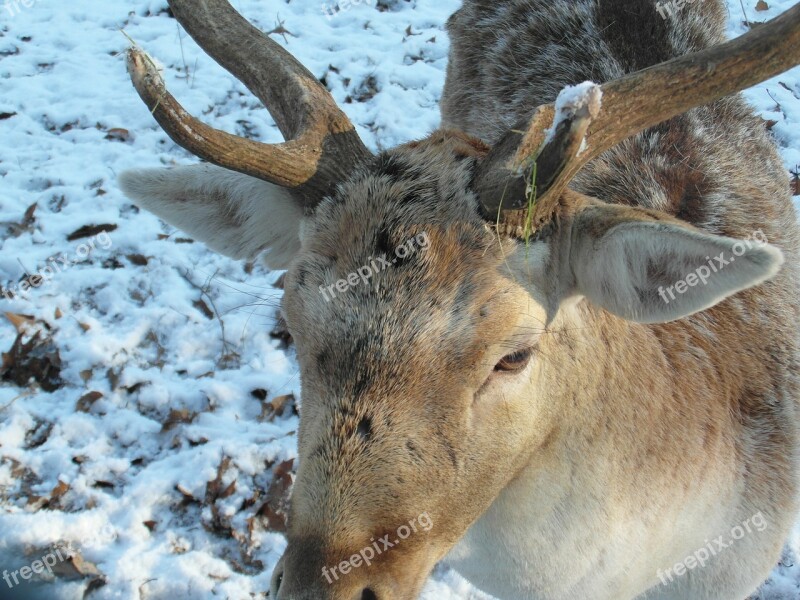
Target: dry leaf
{"type": "Point", "coordinates": [203, 308]}
{"type": "Point", "coordinates": [20, 322]}
{"type": "Point", "coordinates": [90, 230]}
{"type": "Point", "coordinates": [187, 495]}
{"type": "Point", "coordinates": [118, 134]}
{"type": "Point", "coordinates": [275, 511]}
{"type": "Point", "coordinates": [137, 259]}
{"type": "Point", "coordinates": [761, 6]}
{"type": "Point", "coordinates": [178, 417]}
{"type": "Point", "coordinates": [36, 359]}
{"type": "Point", "coordinates": [75, 567]}
{"type": "Point", "coordinates": [86, 401]}
{"type": "Point", "coordinates": [278, 407]}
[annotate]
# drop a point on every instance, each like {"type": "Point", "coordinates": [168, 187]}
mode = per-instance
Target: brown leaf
{"type": "Point", "coordinates": [90, 230]}
{"type": "Point", "coordinates": [278, 407]}
{"type": "Point", "coordinates": [281, 332]}
{"type": "Point", "coordinates": [58, 314]}
{"type": "Point", "coordinates": [20, 322]}
{"type": "Point", "coordinates": [178, 417]}
{"type": "Point", "coordinates": [30, 215]}
{"type": "Point", "coordinates": [36, 359]}
{"type": "Point", "coordinates": [14, 229]}
{"type": "Point", "coordinates": [151, 525]}
{"type": "Point", "coordinates": [86, 401]}
{"type": "Point", "coordinates": [203, 308]}
{"type": "Point", "coordinates": [187, 495]}
{"type": "Point", "coordinates": [216, 490]}
{"type": "Point", "coordinates": [58, 491]}
{"type": "Point", "coordinates": [275, 511]}
{"type": "Point", "coordinates": [75, 567]}
{"type": "Point", "coordinates": [137, 259]}
{"type": "Point", "coordinates": [259, 394]}
{"type": "Point", "coordinates": [118, 134]}
{"type": "Point", "coordinates": [761, 6]}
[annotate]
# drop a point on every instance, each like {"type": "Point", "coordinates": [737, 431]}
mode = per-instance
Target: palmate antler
{"type": "Point", "coordinates": [629, 105]}
{"type": "Point", "coordinates": [322, 145]}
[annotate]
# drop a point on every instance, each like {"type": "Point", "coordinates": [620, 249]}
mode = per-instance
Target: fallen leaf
{"type": "Point", "coordinates": [203, 308]}
{"type": "Point", "coordinates": [75, 567]}
{"type": "Point", "coordinates": [761, 6]}
{"type": "Point", "coordinates": [36, 359]}
{"type": "Point", "coordinates": [178, 417]}
{"type": "Point", "coordinates": [20, 322]}
{"type": "Point", "coordinates": [86, 401]}
{"type": "Point", "coordinates": [137, 259]}
{"type": "Point", "coordinates": [274, 512]}
{"type": "Point", "coordinates": [278, 407]}
{"type": "Point", "coordinates": [187, 495]}
{"type": "Point", "coordinates": [90, 230]}
{"type": "Point", "coordinates": [217, 490]}
{"type": "Point", "coordinates": [118, 134]}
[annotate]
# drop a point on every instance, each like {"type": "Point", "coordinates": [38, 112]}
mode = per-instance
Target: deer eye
{"type": "Point", "coordinates": [515, 362]}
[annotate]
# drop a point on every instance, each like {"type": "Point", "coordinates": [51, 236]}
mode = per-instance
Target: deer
{"type": "Point", "coordinates": [587, 381]}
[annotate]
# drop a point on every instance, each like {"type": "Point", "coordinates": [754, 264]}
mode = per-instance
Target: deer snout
{"type": "Point", "coordinates": [301, 574]}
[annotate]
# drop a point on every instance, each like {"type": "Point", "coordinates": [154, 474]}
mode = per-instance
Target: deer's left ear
{"type": "Point", "coordinates": [234, 214]}
{"type": "Point", "coordinates": [650, 268]}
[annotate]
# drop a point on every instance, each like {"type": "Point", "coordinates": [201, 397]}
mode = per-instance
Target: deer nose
{"type": "Point", "coordinates": [298, 576]}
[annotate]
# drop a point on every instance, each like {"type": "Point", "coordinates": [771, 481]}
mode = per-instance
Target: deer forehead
{"type": "Point", "coordinates": [353, 303]}
{"type": "Point", "coordinates": [399, 268]}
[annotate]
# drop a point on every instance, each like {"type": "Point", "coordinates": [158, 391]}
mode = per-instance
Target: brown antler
{"type": "Point", "coordinates": [322, 148]}
{"type": "Point", "coordinates": [629, 105]}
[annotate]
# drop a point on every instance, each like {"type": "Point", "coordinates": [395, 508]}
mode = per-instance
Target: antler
{"type": "Point", "coordinates": [322, 148]}
{"type": "Point", "coordinates": [629, 105]}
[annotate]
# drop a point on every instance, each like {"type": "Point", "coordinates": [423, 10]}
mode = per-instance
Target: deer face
{"type": "Point", "coordinates": [414, 377]}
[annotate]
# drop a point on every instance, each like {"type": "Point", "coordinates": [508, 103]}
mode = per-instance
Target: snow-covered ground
{"type": "Point", "coordinates": [159, 443]}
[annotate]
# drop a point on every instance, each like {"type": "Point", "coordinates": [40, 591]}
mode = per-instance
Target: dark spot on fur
{"type": "Point", "coordinates": [391, 167]}
{"type": "Point", "coordinates": [414, 451]}
{"type": "Point", "coordinates": [635, 32]}
{"type": "Point", "coordinates": [301, 277]}
{"type": "Point", "coordinates": [364, 429]}
{"type": "Point", "coordinates": [383, 242]}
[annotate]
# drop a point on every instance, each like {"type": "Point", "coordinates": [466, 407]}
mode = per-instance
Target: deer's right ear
{"type": "Point", "coordinates": [234, 214]}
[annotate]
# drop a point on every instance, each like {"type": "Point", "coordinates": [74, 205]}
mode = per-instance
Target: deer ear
{"type": "Point", "coordinates": [234, 214]}
{"type": "Point", "coordinates": [650, 268]}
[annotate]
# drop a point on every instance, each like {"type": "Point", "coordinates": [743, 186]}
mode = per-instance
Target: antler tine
{"type": "Point", "coordinates": [322, 146]}
{"type": "Point", "coordinates": [287, 164]}
{"type": "Point", "coordinates": [630, 105]}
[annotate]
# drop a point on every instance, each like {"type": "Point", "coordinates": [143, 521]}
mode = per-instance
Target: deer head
{"type": "Point", "coordinates": [431, 376]}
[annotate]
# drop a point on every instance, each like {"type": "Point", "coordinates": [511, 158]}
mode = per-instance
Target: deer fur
{"type": "Point", "coordinates": [640, 431]}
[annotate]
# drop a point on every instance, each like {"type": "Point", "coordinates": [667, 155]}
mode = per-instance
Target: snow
{"type": "Point", "coordinates": [586, 96]}
{"type": "Point", "coordinates": [179, 393]}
